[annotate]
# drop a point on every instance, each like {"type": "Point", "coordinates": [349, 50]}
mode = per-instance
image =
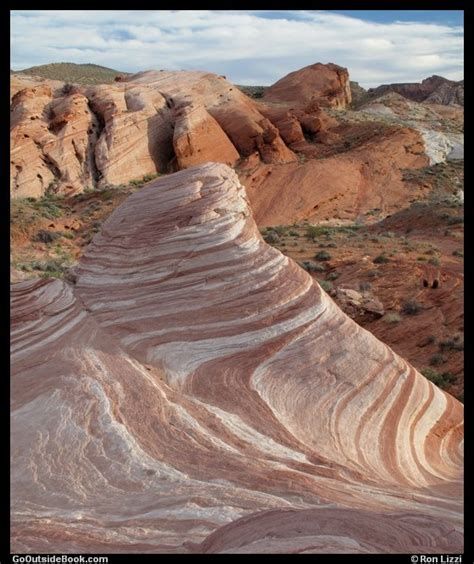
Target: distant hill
{"type": "Point", "coordinates": [435, 89]}
{"type": "Point", "coordinates": [72, 72]}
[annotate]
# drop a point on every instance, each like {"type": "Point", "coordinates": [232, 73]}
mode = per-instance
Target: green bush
{"type": "Point", "coordinates": [45, 236]}
{"type": "Point", "coordinates": [322, 256]}
{"type": "Point", "coordinates": [325, 285]}
{"type": "Point", "coordinates": [280, 230]}
{"type": "Point", "coordinates": [456, 344]}
{"type": "Point", "coordinates": [271, 237]}
{"type": "Point", "coordinates": [437, 359]}
{"type": "Point", "coordinates": [441, 380]}
{"type": "Point", "coordinates": [312, 266]}
{"type": "Point", "coordinates": [312, 231]}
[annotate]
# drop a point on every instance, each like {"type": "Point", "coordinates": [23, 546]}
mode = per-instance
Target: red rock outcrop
{"type": "Point", "coordinates": [198, 137]}
{"type": "Point", "coordinates": [342, 186]}
{"type": "Point", "coordinates": [327, 84]}
{"type": "Point", "coordinates": [111, 134]}
{"type": "Point", "coordinates": [197, 391]}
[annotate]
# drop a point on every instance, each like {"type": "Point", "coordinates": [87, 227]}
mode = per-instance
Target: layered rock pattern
{"type": "Point", "coordinates": [196, 391]}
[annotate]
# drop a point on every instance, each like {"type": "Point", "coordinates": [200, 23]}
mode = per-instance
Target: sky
{"type": "Point", "coordinates": [247, 46]}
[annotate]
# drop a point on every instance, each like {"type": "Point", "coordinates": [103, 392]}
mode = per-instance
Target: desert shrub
{"type": "Point", "coordinates": [392, 318]}
{"type": "Point", "coordinates": [458, 253]}
{"type": "Point", "coordinates": [280, 230]}
{"type": "Point", "coordinates": [312, 231]}
{"type": "Point", "coordinates": [312, 266]}
{"type": "Point", "coordinates": [293, 233]}
{"type": "Point", "coordinates": [456, 344]}
{"type": "Point", "coordinates": [325, 285]}
{"type": "Point", "coordinates": [420, 259]}
{"type": "Point", "coordinates": [45, 236]}
{"type": "Point", "coordinates": [271, 237]}
{"type": "Point", "coordinates": [68, 234]}
{"type": "Point", "coordinates": [331, 245]}
{"type": "Point", "coordinates": [373, 274]}
{"type": "Point", "coordinates": [434, 261]}
{"type": "Point", "coordinates": [455, 220]}
{"type": "Point", "coordinates": [333, 275]}
{"type": "Point", "coordinates": [442, 380]}
{"type": "Point", "coordinates": [381, 259]}
{"type": "Point", "coordinates": [322, 256]}
{"type": "Point", "coordinates": [365, 286]}
{"type": "Point", "coordinates": [48, 209]}
{"type": "Point", "coordinates": [437, 359]}
{"type": "Point", "coordinates": [149, 177]}
{"type": "Point", "coordinates": [411, 307]}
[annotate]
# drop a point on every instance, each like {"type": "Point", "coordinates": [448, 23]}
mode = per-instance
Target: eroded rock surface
{"type": "Point", "coordinates": [196, 391]}
{"type": "Point", "coordinates": [327, 84]}
{"type": "Point", "coordinates": [76, 137]}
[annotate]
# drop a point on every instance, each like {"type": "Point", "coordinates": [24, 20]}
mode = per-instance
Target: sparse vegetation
{"type": "Point", "coordinates": [392, 318]}
{"type": "Point", "coordinates": [72, 72]}
{"type": "Point", "coordinates": [312, 266]}
{"type": "Point", "coordinates": [45, 236]}
{"type": "Point", "coordinates": [271, 237]}
{"type": "Point", "coordinates": [437, 359]}
{"type": "Point", "coordinates": [381, 259]}
{"type": "Point", "coordinates": [411, 307]}
{"type": "Point", "coordinates": [442, 380]}
{"type": "Point", "coordinates": [455, 343]}
{"type": "Point", "coordinates": [322, 256]}
{"type": "Point", "coordinates": [325, 285]}
{"type": "Point", "coordinates": [434, 261]}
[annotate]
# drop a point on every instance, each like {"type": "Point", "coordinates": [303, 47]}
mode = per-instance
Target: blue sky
{"type": "Point", "coordinates": [249, 47]}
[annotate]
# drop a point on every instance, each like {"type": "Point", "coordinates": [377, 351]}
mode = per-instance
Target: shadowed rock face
{"type": "Point", "coordinates": [66, 138]}
{"type": "Point", "coordinates": [435, 89]}
{"type": "Point", "coordinates": [196, 391]}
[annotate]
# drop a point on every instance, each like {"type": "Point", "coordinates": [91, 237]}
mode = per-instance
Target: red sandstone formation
{"type": "Point", "coordinates": [198, 137]}
{"type": "Point", "coordinates": [342, 186]}
{"type": "Point", "coordinates": [196, 391]}
{"type": "Point", "coordinates": [111, 134]}
{"type": "Point", "coordinates": [296, 161]}
{"type": "Point", "coordinates": [327, 84]}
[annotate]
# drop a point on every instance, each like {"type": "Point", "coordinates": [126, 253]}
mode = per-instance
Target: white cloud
{"type": "Point", "coordinates": [244, 45]}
